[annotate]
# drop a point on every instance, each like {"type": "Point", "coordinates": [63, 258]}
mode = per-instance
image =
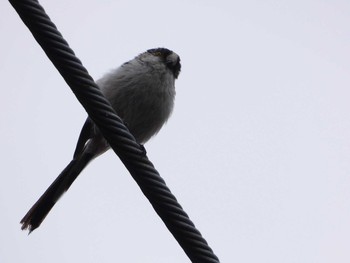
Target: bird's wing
{"type": "Point", "coordinates": [86, 133]}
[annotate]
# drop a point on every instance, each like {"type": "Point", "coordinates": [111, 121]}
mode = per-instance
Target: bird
{"type": "Point", "coordinates": [142, 92]}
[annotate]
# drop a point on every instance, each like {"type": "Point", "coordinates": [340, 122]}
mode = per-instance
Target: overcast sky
{"type": "Point", "coordinates": [257, 150]}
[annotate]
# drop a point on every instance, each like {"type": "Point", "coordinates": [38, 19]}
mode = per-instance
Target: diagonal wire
{"type": "Point", "coordinates": [111, 126]}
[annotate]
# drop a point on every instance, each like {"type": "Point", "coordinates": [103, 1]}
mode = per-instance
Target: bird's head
{"type": "Point", "coordinates": [170, 58]}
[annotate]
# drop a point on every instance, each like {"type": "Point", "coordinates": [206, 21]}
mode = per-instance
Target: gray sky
{"type": "Point", "coordinates": [257, 150]}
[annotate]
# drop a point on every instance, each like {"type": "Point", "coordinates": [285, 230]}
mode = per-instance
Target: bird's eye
{"type": "Point", "coordinates": [158, 54]}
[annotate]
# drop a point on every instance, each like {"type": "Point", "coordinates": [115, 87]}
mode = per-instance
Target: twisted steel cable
{"type": "Point", "coordinates": [111, 126]}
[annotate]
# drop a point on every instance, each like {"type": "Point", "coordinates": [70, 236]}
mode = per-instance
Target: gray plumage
{"type": "Point", "coordinates": [142, 92]}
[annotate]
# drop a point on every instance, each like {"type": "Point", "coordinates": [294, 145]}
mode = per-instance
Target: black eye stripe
{"type": "Point", "coordinates": [160, 52]}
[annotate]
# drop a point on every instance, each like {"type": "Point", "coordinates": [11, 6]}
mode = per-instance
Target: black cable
{"type": "Point", "coordinates": [111, 126]}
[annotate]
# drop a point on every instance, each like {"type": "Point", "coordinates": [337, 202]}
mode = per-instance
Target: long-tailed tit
{"type": "Point", "coordinates": [142, 93]}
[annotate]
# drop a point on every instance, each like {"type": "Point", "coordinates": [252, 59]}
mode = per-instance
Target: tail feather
{"type": "Point", "coordinates": [42, 207]}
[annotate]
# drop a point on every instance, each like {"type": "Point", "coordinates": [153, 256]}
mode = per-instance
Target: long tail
{"type": "Point", "coordinates": [42, 207]}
